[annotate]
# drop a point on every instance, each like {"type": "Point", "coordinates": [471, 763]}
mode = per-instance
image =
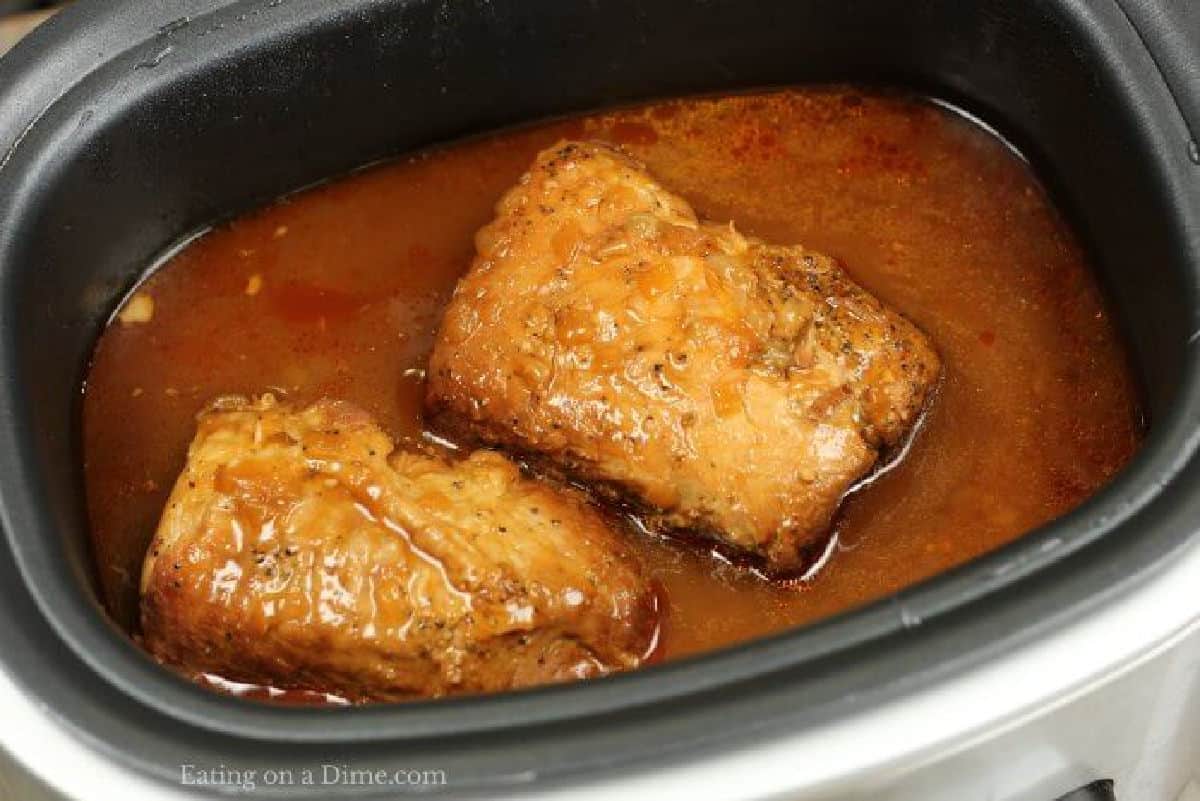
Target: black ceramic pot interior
{"type": "Point", "coordinates": [13, 6]}
{"type": "Point", "coordinates": [125, 127]}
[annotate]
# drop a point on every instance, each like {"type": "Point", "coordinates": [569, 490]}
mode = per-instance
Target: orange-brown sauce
{"type": "Point", "coordinates": [337, 291]}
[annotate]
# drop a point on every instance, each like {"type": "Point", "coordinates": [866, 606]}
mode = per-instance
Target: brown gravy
{"type": "Point", "coordinates": [337, 291]}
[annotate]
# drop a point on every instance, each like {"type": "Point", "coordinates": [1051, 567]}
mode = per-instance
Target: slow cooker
{"type": "Point", "coordinates": [1066, 665]}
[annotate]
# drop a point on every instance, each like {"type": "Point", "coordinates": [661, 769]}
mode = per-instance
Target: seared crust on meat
{"type": "Point", "coordinates": [724, 385]}
{"type": "Point", "coordinates": [298, 550]}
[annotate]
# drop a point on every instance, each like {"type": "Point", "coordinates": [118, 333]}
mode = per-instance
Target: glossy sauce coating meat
{"type": "Point", "coordinates": [298, 550]}
{"type": "Point", "coordinates": [337, 292]}
{"type": "Point", "coordinates": [726, 386]}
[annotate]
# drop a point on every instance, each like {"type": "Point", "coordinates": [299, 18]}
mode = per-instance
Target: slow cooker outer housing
{"type": "Point", "coordinates": [124, 126]}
